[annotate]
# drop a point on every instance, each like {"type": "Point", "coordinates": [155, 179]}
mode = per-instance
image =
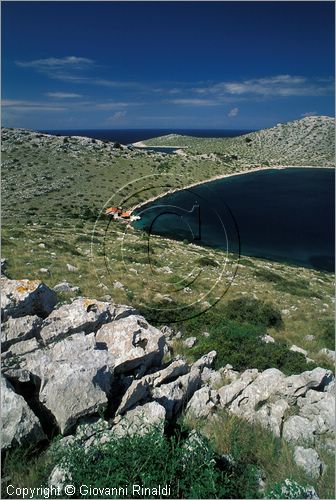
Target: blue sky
{"type": "Point", "coordinates": [235, 65]}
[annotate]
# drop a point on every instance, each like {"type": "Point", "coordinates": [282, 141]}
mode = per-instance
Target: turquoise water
{"type": "Point", "coordinates": [283, 215]}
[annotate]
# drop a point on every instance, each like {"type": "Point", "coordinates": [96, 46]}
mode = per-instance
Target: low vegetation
{"type": "Point", "coordinates": [227, 457]}
{"type": "Point", "coordinates": [250, 446]}
{"type": "Point", "coordinates": [234, 325]}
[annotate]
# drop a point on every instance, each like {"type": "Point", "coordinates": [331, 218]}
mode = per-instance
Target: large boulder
{"type": "Point", "coordinates": [319, 409]}
{"type": "Point", "coordinates": [328, 353]}
{"type": "Point", "coordinates": [309, 460]}
{"type": "Point", "coordinates": [137, 392]}
{"type": "Point", "coordinates": [266, 398]}
{"type": "Point", "coordinates": [140, 389]}
{"type": "Point", "coordinates": [272, 415]}
{"type": "Point", "coordinates": [296, 386]}
{"type": "Point", "coordinates": [19, 329]}
{"type": "Point", "coordinates": [213, 378]}
{"type": "Point", "coordinates": [133, 343]}
{"type": "Point", "coordinates": [298, 429]}
{"type": "Point", "coordinates": [257, 392]}
{"type": "Point", "coordinates": [140, 420]}
{"type": "Point", "coordinates": [20, 349]}
{"type": "Point", "coordinates": [206, 361]}
{"type": "Point", "coordinates": [203, 403]}
{"type": "Point", "coordinates": [82, 315]}
{"type": "Point", "coordinates": [73, 376]}
{"type": "Point", "coordinates": [254, 402]}
{"type": "Point", "coordinates": [230, 392]}
{"type": "Point", "coordinates": [176, 394]}
{"type": "Point", "coordinates": [26, 297]}
{"type": "Point", "coordinates": [175, 369]}
{"type": "Point", "coordinates": [19, 425]}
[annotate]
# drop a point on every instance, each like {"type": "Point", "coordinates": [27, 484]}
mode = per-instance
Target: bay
{"type": "Point", "coordinates": [285, 215]}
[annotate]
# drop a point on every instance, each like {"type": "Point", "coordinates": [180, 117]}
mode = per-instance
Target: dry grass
{"type": "Point", "coordinates": [252, 444]}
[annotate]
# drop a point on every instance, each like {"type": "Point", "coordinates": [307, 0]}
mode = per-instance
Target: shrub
{"type": "Point", "coordinates": [65, 247]}
{"type": "Point", "coordinates": [327, 326]}
{"type": "Point", "coordinates": [252, 352]}
{"type": "Point", "coordinates": [87, 238]}
{"type": "Point", "coordinates": [289, 489]}
{"type": "Point", "coordinates": [206, 261]}
{"type": "Point", "coordinates": [192, 471]}
{"type": "Point", "coordinates": [253, 311]}
{"type": "Point", "coordinates": [299, 288]}
{"type": "Point", "coordinates": [25, 467]}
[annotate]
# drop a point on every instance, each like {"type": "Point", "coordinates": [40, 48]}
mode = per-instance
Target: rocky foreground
{"type": "Point", "coordinates": [90, 370]}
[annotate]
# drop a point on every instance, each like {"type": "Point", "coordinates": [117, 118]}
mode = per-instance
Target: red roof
{"type": "Point", "coordinates": [113, 210]}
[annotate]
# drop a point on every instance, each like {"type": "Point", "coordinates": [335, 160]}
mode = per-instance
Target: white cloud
{"type": "Point", "coordinates": [112, 105]}
{"type": "Point", "coordinates": [279, 85]}
{"type": "Point", "coordinates": [72, 62]}
{"type": "Point", "coordinates": [116, 117]}
{"type": "Point", "coordinates": [68, 69]}
{"type": "Point", "coordinates": [63, 95]}
{"type": "Point", "coordinates": [22, 105]}
{"type": "Point", "coordinates": [195, 102]}
{"type": "Point", "coordinates": [309, 113]}
{"type": "Point", "coordinates": [72, 105]}
{"type": "Point", "coordinates": [233, 112]}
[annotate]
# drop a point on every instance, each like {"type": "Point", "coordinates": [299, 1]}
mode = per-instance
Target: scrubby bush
{"type": "Point", "coordinates": [206, 261]}
{"type": "Point", "coordinates": [290, 489]}
{"type": "Point", "coordinates": [25, 467]}
{"type": "Point", "coordinates": [300, 288]}
{"type": "Point", "coordinates": [236, 332]}
{"type": "Point", "coordinates": [253, 311]}
{"type": "Point", "coordinates": [241, 346]}
{"type": "Point", "coordinates": [327, 326]}
{"type": "Point", "coordinates": [192, 469]}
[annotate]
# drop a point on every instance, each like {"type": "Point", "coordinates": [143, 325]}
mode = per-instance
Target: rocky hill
{"type": "Point", "coordinates": [309, 141]}
{"type": "Point", "coordinates": [48, 175]}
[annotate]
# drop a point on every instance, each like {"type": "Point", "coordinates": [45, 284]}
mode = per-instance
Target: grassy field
{"type": "Point", "coordinates": [112, 262]}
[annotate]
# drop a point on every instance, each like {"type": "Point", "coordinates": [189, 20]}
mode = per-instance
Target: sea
{"type": "Point", "coordinates": [286, 215]}
{"type": "Point", "coordinates": [128, 136]}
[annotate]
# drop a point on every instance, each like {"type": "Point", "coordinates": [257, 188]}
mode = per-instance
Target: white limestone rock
{"type": "Point", "coordinates": [309, 460]}
{"type": "Point", "coordinates": [82, 315]}
{"type": "Point", "coordinates": [176, 394]}
{"type": "Point", "coordinates": [19, 329]}
{"type": "Point", "coordinates": [26, 297]}
{"type": "Point", "coordinates": [295, 348]}
{"type": "Point", "coordinates": [298, 429]}
{"type": "Point", "coordinates": [75, 378]}
{"type": "Point", "coordinates": [190, 342]}
{"type": "Point", "coordinates": [140, 420]}
{"type": "Point", "coordinates": [133, 342]}
{"type": "Point", "coordinates": [228, 393]}
{"type": "Point", "coordinates": [203, 403]}
{"type": "Point", "coordinates": [19, 425]}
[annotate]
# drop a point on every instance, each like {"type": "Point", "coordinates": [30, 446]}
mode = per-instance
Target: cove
{"type": "Point", "coordinates": [285, 215]}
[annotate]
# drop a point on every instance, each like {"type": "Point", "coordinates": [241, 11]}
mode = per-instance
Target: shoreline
{"type": "Point", "coordinates": [218, 177]}
{"type": "Point", "coordinates": [142, 145]}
